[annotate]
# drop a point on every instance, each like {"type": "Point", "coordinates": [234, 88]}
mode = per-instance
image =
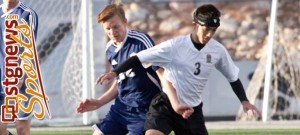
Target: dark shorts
{"type": "Point", "coordinates": [162, 117]}
{"type": "Point", "coordinates": [120, 121]}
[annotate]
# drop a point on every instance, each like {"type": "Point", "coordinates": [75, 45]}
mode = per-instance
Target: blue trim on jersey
{"type": "Point", "coordinates": [135, 87]}
{"type": "Point", "coordinates": [142, 37]}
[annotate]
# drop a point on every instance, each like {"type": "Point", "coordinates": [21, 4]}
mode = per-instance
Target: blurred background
{"type": "Point", "coordinates": [71, 47]}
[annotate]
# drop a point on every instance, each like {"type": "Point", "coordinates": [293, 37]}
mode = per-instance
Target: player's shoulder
{"type": "Point", "coordinates": [109, 44]}
{"type": "Point", "coordinates": [216, 46]}
{"type": "Point", "coordinates": [180, 40]}
{"type": "Point", "coordinates": [136, 32]}
{"type": "Point", "coordinates": [138, 35]}
{"type": "Point", "coordinates": [27, 10]}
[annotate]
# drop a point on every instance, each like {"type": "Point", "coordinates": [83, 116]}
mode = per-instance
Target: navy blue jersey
{"type": "Point", "coordinates": [24, 13]}
{"type": "Point", "coordinates": [138, 85]}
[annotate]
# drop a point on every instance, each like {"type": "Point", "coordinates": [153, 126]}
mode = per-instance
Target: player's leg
{"type": "Point", "coordinates": [159, 119]}
{"type": "Point", "coordinates": [3, 126]}
{"type": "Point", "coordinates": [96, 132]}
{"type": "Point", "coordinates": [3, 129]}
{"type": "Point", "coordinates": [24, 119]}
{"type": "Point", "coordinates": [153, 132]}
{"type": "Point", "coordinates": [23, 127]}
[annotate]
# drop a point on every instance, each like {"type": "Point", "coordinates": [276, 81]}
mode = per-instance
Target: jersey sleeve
{"type": "Point", "coordinates": [35, 23]}
{"type": "Point", "coordinates": [33, 18]}
{"type": "Point", "coordinates": [227, 67]}
{"type": "Point", "coordinates": [149, 41]}
{"type": "Point", "coordinates": [159, 55]}
{"type": "Point", "coordinates": [152, 44]}
{"type": "Point", "coordinates": [30, 17]}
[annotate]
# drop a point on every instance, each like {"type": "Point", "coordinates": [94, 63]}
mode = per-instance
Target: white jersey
{"type": "Point", "coordinates": [187, 68]}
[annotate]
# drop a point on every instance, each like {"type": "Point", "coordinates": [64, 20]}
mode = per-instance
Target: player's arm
{"type": "Point", "coordinates": [109, 95]}
{"type": "Point", "coordinates": [93, 104]}
{"type": "Point", "coordinates": [168, 88]}
{"type": "Point", "coordinates": [227, 67]}
{"type": "Point", "coordinates": [126, 65]}
{"type": "Point", "coordinates": [239, 91]}
{"type": "Point", "coordinates": [183, 110]}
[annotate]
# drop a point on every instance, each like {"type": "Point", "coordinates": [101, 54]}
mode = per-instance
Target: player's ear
{"type": "Point", "coordinates": [125, 21]}
{"type": "Point", "coordinates": [194, 25]}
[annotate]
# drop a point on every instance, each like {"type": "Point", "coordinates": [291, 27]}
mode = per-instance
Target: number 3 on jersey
{"type": "Point", "coordinates": [197, 71]}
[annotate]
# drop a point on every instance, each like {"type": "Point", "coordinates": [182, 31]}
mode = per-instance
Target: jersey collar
{"type": "Point", "coordinates": [191, 44]}
{"type": "Point", "coordinates": [123, 42]}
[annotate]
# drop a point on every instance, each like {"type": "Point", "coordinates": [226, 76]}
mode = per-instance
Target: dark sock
{"type": "Point", "coordinates": [9, 133]}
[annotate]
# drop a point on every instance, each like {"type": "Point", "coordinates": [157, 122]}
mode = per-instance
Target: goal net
{"type": "Point", "coordinates": [284, 94]}
{"type": "Point", "coordinates": [68, 54]}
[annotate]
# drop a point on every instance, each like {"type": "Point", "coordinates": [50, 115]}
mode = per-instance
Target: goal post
{"type": "Point", "coordinates": [87, 57]}
{"type": "Point", "coordinates": [267, 82]}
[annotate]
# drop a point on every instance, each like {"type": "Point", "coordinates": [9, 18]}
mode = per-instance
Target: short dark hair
{"type": "Point", "coordinates": [207, 15]}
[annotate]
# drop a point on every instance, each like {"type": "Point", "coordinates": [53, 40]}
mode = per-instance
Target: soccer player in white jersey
{"type": "Point", "coordinates": [132, 90]}
{"type": "Point", "coordinates": [187, 61]}
{"type": "Point", "coordinates": [15, 7]}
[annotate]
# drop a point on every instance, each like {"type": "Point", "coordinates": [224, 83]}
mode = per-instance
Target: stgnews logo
{"type": "Point", "coordinates": [21, 68]}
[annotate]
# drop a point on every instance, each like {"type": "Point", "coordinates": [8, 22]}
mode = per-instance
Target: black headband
{"type": "Point", "coordinates": [209, 22]}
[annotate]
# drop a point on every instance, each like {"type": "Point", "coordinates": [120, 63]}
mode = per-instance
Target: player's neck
{"type": "Point", "coordinates": [9, 6]}
{"type": "Point", "coordinates": [117, 43]}
{"type": "Point", "coordinates": [197, 45]}
{"type": "Point", "coordinates": [195, 38]}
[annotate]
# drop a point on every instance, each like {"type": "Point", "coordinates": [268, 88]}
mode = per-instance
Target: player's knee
{"type": "Point", "coordinates": [153, 132]}
{"type": "Point", "coordinates": [3, 129]}
{"type": "Point", "coordinates": [20, 128]}
{"type": "Point", "coordinates": [23, 127]}
{"type": "Point", "coordinates": [96, 132]}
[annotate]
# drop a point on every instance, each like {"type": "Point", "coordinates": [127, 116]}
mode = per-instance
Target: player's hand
{"type": "Point", "coordinates": [187, 113]}
{"type": "Point", "coordinates": [183, 110]}
{"type": "Point", "coordinates": [106, 78]}
{"type": "Point", "coordinates": [248, 106]}
{"type": "Point", "coordinates": [88, 105]}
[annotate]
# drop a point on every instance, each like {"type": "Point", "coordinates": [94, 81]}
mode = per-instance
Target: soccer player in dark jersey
{"type": "Point", "coordinates": [18, 8]}
{"type": "Point", "coordinates": [188, 61]}
{"type": "Point", "coordinates": [133, 89]}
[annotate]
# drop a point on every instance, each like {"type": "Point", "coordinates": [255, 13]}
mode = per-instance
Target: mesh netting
{"type": "Point", "coordinates": [59, 50]}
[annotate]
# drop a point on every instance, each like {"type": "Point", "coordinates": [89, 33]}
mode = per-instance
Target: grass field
{"type": "Point", "coordinates": [211, 132]}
